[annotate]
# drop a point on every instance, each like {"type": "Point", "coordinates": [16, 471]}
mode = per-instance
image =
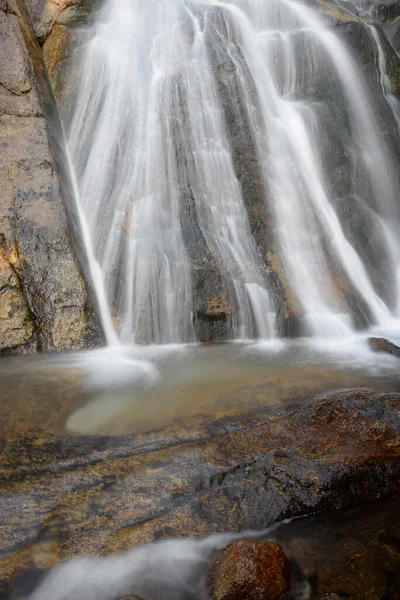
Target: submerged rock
{"type": "Point", "coordinates": [251, 570]}
{"type": "Point", "coordinates": [383, 345]}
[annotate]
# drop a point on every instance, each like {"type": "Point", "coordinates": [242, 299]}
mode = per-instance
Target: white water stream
{"type": "Point", "coordinates": [153, 155]}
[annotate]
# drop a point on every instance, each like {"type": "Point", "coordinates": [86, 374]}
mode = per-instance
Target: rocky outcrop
{"type": "Point", "coordinates": [43, 299]}
{"type": "Point", "coordinates": [62, 495]}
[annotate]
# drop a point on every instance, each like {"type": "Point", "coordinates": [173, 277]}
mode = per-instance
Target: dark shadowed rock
{"type": "Point", "coordinates": [396, 40]}
{"type": "Point", "coordinates": [329, 597]}
{"type": "Point", "coordinates": [353, 553]}
{"type": "Point", "coordinates": [351, 574]}
{"type": "Point", "coordinates": [251, 570]}
{"type": "Point", "coordinates": [383, 345]}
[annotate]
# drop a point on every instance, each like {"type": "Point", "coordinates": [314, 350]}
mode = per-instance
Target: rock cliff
{"type": "Point", "coordinates": [44, 303]}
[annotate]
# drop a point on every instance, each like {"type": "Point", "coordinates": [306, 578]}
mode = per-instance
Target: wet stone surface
{"type": "Point", "coordinates": [63, 495]}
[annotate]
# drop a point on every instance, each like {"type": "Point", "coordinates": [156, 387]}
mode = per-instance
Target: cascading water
{"type": "Point", "coordinates": [155, 161]}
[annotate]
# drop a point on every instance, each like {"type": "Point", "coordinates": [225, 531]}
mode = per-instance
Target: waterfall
{"type": "Point", "coordinates": [164, 199]}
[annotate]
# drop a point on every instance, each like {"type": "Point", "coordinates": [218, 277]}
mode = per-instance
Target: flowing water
{"type": "Point", "coordinates": [153, 153]}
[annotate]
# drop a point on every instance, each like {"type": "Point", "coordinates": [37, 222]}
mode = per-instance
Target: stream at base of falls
{"type": "Point", "coordinates": [134, 389]}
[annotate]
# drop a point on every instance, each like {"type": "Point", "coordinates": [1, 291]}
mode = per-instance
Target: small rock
{"type": "Point", "coordinates": [250, 570]}
{"type": "Point", "coordinates": [383, 345]}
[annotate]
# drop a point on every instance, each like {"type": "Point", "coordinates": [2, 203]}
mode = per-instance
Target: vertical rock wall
{"type": "Point", "coordinates": [43, 299]}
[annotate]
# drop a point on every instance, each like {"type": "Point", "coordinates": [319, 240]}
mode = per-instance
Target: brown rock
{"type": "Point", "coordinates": [57, 56]}
{"type": "Point", "coordinates": [44, 13]}
{"type": "Point", "coordinates": [383, 345]}
{"type": "Point", "coordinates": [16, 326]}
{"type": "Point", "coordinates": [250, 570]}
{"type": "Point", "coordinates": [15, 68]}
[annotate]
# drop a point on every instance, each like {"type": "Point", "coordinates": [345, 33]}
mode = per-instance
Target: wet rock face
{"type": "Point", "coordinates": [358, 38]}
{"type": "Point", "coordinates": [350, 559]}
{"type": "Point", "coordinates": [43, 300]}
{"type": "Point", "coordinates": [251, 570]}
{"type": "Point", "coordinates": [22, 205]}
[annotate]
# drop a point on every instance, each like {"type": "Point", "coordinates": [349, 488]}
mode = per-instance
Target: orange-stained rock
{"type": "Point", "coordinates": [250, 570]}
